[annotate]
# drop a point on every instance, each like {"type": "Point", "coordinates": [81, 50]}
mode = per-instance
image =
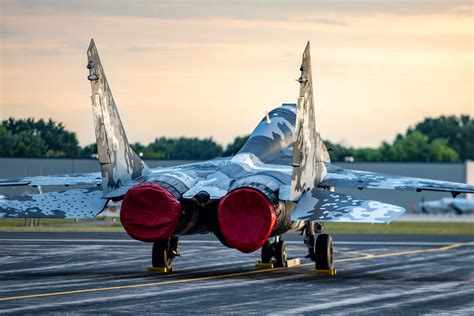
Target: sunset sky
{"type": "Point", "coordinates": [212, 68]}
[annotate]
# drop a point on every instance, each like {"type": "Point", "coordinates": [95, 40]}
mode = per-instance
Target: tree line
{"type": "Point", "coordinates": [442, 139]}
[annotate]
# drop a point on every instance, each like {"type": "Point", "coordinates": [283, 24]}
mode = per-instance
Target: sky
{"type": "Point", "coordinates": [213, 68]}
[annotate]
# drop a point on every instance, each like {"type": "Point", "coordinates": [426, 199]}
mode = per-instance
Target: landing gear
{"type": "Point", "coordinates": [164, 252]}
{"type": "Point", "coordinates": [324, 252]}
{"type": "Point", "coordinates": [320, 246]}
{"type": "Point", "coordinates": [311, 229]}
{"type": "Point", "coordinates": [275, 249]}
{"type": "Point", "coordinates": [267, 252]}
{"type": "Point", "coordinates": [309, 239]}
{"type": "Point", "coordinates": [281, 256]}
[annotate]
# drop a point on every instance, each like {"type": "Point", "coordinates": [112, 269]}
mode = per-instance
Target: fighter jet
{"type": "Point", "coordinates": [448, 206]}
{"type": "Point", "coordinates": [281, 180]}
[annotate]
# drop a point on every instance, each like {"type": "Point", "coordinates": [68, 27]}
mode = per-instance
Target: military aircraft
{"type": "Point", "coordinates": [448, 206]}
{"type": "Point", "coordinates": [281, 180]}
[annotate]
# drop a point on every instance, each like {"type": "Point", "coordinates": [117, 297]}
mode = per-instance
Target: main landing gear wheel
{"type": "Point", "coordinates": [267, 252]}
{"type": "Point", "coordinates": [275, 249]}
{"type": "Point", "coordinates": [164, 252]}
{"type": "Point", "coordinates": [281, 256]}
{"type": "Point", "coordinates": [324, 252]}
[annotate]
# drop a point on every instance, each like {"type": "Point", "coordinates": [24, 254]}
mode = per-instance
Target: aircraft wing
{"type": "Point", "coordinates": [346, 178]}
{"type": "Point", "coordinates": [75, 203]}
{"type": "Point", "coordinates": [326, 206]}
{"type": "Point", "coordinates": [85, 202]}
{"type": "Point", "coordinates": [93, 178]}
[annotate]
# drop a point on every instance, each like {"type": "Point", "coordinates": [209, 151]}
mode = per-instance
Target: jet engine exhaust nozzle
{"type": "Point", "coordinates": [150, 212]}
{"type": "Point", "coordinates": [246, 219]}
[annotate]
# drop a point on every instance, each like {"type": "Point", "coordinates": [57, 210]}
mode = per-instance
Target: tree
{"type": "Point", "coordinates": [440, 151]}
{"type": "Point", "coordinates": [56, 141]}
{"type": "Point", "coordinates": [194, 148]}
{"type": "Point", "coordinates": [7, 149]}
{"type": "Point", "coordinates": [235, 146]}
{"type": "Point", "coordinates": [89, 150]}
{"type": "Point", "coordinates": [28, 145]}
{"type": "Point", "coordinates": [457, 131]}
{"type": "Point", "coordinates": [367, 154]}
{"type": "Point", "coordinates": [446, 138]}
{"type": "Point", "coordinates": [338, 152]}
{"type": "Point", "coordinates": [161, 148]}
{"type": "Point", "coordinates": [416, 146]}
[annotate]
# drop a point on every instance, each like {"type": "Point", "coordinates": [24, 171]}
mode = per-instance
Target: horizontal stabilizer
{"type": "Point", "coordinates": [327, 206]}
{"type": "Point", "coordinates": [76, 203]}
{"type": "Point", "coordinates": [93, 178]}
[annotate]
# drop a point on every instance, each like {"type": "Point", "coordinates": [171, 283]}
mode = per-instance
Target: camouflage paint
{"type": "Point", "coordinates": [93, 178]}
{"type": "Point", "coordinates": [76, 203]}
{"type": "Point", "coordinates": [309, 151]}
{"type": "Point", "coordinates": [346, 178]}
{"type": "Point", "coordinates": [119, 164]}
{"type": "Point", "coordinates": [326, 206]}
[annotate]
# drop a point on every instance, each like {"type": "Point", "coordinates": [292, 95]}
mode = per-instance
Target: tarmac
{"type": "Point", "coordinates": [105, 273]}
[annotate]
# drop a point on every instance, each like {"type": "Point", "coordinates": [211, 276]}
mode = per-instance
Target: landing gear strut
{"type": "Point", "coordinates": [309, 240]}
{"type": "Point", "coordinates": [164, 252]}
{"type": "Point", "coordinates": [320, 246]}
{"type": "Point", "coordinates": [275, 249]}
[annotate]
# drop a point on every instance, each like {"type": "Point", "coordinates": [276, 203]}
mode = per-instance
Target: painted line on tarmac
{"type": "Point", "coordinates": [291, 242]}
{"type": "Point", "coordinates": [228, 275]}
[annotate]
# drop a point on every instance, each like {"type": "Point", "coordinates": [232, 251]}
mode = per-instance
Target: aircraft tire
{"type": "Point", "coordinates": [267, 252]}
{"type": "Point", "coordinates": [161, 256]}
{"type": "Point", "coordinates": [280, 254]}
{"type": "Point", "coordinates": [324, 252]}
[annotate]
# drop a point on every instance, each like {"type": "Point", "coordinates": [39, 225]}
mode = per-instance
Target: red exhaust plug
{"type": "Point", "coordinates": [246, 218]}
{"type": "Point", "coordinates": [150, 212]}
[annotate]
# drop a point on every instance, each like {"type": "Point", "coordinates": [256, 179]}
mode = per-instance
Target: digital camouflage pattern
{"type": "Point", "coordinates": [75, 203]}
{"type": "Point", "coordinates": [340, 177]}
{"type": "Point", "coordinates": [309, 151]}
{"type": "Point", "coordinates": [284, 157]}
{"type": "Point", "coordinates": [119, 164]}
{"type": "Point", "coordinates": [326, 206]}
{"type": "Point", "coordinates": [93, 178]}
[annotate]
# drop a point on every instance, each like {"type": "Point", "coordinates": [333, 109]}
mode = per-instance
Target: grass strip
{"type": "Point", "coordinates": [101, 225]}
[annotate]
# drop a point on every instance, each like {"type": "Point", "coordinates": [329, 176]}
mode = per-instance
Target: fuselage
{"type": "Point", "coordinates": [237, 198]}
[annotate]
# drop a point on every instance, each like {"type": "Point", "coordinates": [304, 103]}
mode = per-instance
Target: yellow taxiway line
{"type": "Point", "coordinates": [228, 275]}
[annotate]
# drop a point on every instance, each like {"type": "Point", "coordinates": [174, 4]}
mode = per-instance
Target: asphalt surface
{"type": "Point", "coordinates": [106, 273]}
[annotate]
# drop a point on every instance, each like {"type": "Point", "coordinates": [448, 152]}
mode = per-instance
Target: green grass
{"type": "Point", "coordinates": [60, 225]}
{"type": "Point", "coordinates": [428, 228]}
{"type": "Point", "coordinates": [418, 228]}
{"type": "Point", "coordinates": [105, 229]}
{"type": "Point", "coordinates": [43, 221]}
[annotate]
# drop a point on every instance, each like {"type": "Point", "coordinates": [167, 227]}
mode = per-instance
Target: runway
{"type": "Point", "coordinates": [106, 273]}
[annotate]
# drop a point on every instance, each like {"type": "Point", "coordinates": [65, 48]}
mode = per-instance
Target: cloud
{"type": "Point", "coordinates": [234, 9]}
{"type": "Point", "coordinates": [329, 22]}
{"type": "Point", "coordinates": [6, 31]}
{"type": "Point", "coordinates": [204, 62]}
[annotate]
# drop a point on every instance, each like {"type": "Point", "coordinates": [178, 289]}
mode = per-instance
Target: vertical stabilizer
{"type": "Point", "coordinates": [119, 163]}
{"type": "Point", "coordinates": [309, 151]}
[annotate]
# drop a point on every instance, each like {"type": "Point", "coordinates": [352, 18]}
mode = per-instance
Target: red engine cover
{"type": "Point", "coordinates": [150, 212]}
{"type": "Point", "coordinates": [246, 219]}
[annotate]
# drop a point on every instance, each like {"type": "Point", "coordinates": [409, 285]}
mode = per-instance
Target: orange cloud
{"type": "Point", "coordinates": [375, 73]}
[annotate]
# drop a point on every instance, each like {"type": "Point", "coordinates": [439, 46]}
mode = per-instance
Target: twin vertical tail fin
{"type": "Point", "coordinates": [119, 163]}
{"type": "Point", "coordinates": [309, 151]}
